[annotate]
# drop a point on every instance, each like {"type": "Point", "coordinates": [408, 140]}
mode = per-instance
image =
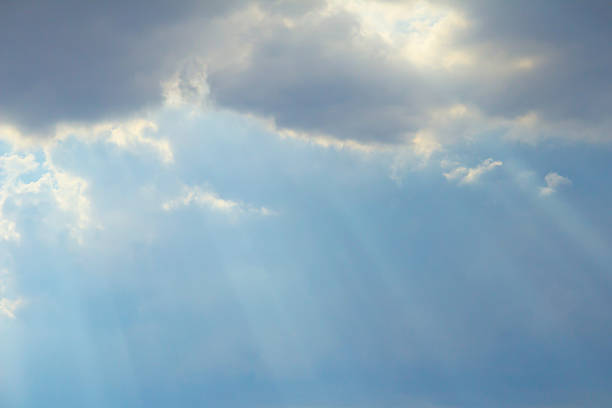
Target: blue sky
{"type": "Point", "coordinates": [305, 204]}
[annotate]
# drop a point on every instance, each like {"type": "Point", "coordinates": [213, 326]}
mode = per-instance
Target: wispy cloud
{"type": "Point", "coordinates": [467, 175]}
{"type": "Point", "coordinates": [553, 182]}
{"type": "Point", "coordinates": [8, 307]}
{"type": "Point", "coordinates": [204, 198]}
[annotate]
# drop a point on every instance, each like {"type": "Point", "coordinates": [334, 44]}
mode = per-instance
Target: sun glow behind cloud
{"type": "Point", "coordinates": [421, 31]}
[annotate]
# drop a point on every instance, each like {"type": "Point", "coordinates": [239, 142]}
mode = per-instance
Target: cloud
{"type": "Point", "coordinates": [211, 200]}
{"type": "Point", "coordinates": [133, 135]}
{"type": "Point", "coordinates": [75, 61]}
{"type": "Point", "coordinates": [367, 72]}
{"type": "Point", "coordinates": [320, 76]}
{"type": "Point", "coordinates": [295, 290]}
{"type": "Point", "coordinates": [9, 307]}
{"type": "Point", "coordinates": [26, 182]}
{"type": "Point", "coordinates": [374, 72]}
{"type": "Point", "coordinates": [558, 77]}
{"type": "Point", "coordinates": [466, 175]}
{"type": "Point", "coordinates": [553, 182]}
{"type": "Point", "coordinates": [188, 85]}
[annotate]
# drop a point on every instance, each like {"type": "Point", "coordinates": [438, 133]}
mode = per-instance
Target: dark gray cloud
{"type": "Point", "coordinates": [74, 60]}
{"type": "Point", "coordinates": [318, 72]}
{"type": "Point", "coordinates": [572, 37]}
{"type": "Point", "coordinates": [323, 77]}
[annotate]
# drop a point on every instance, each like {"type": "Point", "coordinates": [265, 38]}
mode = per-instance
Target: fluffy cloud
{"type": "Point", "coordinates": [133, 135]}
{"type": "Point", "coordinates": [27, 182]}
{"type": "Point", "coordinates": [553, 182]}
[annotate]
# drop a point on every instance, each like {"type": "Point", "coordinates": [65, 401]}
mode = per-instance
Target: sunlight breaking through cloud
{"type": "Point", "coordinates": [26, 182]}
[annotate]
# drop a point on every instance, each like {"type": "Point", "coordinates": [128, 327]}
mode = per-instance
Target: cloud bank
{"type": "Point", "coordinates": [364, 71]}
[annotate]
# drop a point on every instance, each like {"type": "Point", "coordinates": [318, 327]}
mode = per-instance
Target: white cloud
{"type": "Point", "coordinates": [8, 307]}
{"type": "Point", "coordinates": [466, 175]}
{"type": "Point", "coordinates": [553, 182]}
{"type": "Point", "coordinates": [211, 200]}
{"type": "Point", "coordinates": [69, 192]}
{"type": "Point", "coordinates": [131, 135]}
{"type": "Point", "coordinates": [325, 141]}
{"type": "Point", "coordinates": [51, 187]}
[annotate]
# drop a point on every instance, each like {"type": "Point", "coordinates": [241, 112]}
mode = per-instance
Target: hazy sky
{"type": "Point", "coordinates": [305, 204]}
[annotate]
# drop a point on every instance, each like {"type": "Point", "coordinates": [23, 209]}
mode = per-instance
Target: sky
{"type": "Point", "coordinates": [305, 204]}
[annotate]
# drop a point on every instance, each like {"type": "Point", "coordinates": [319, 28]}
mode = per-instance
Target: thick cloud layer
{"type": "Point", "coordinates": [322, 76]}
{"type": "Point", "coordinates": [374, 72]}
{"type": "Point", "coordinates": [328, 74]}
{"type": "Point", "coordinates": [571, 38]}
{"type": "Point", "coordinates": [80, 61]}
